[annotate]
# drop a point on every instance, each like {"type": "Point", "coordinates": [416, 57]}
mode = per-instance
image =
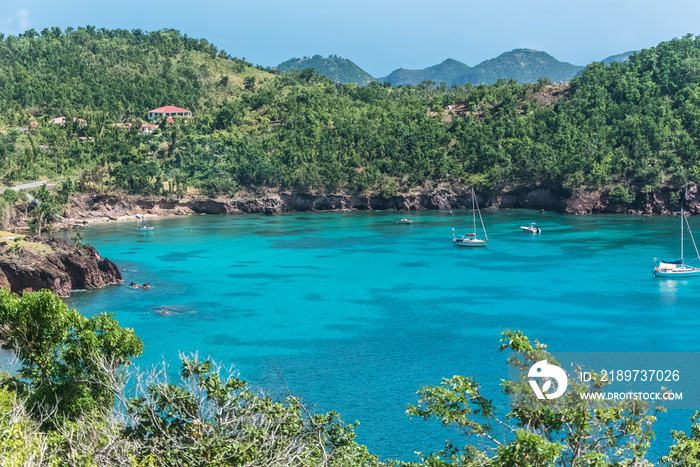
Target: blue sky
{"type": "Point", "coordinates": [383, 35]}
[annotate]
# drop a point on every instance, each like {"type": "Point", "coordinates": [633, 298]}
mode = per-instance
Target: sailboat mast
{"type": "Point", "coordinates": [682, 219]}
{"type": "Point", "coordinates": [474, 211]}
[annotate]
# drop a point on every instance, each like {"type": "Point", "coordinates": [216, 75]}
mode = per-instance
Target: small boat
{"type": "Point", "coordinates": [678, 269]}
{"type": "Point", "coordinates": [144, 226]}
{"type": "Point", "coordinates": [530, 228]}
{"type": "Point", "coordinates": [470, 239]}
{"type": "Point", "coordinates": [405, 221]}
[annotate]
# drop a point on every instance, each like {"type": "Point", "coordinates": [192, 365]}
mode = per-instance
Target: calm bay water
{"type": "Point", "coordinates": [356, 312]}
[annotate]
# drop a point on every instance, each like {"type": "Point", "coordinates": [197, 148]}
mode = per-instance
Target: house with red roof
{"type": "Point", "coordinates": [62, 121]}
{"type": "Point", "coordinates": [168, 111]}
{"type": "Point", "coordinates": [148, 128]}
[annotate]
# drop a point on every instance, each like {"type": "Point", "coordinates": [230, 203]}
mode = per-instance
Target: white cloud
{"type": "Point", "coordinates": [18, 23]}
{"type": "Point", "coordinates": [23, 19]}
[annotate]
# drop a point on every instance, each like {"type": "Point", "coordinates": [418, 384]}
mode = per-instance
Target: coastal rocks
{"type": "Point", "coordinates": [37, 263]}
{"type": "Point", "coordinates": [542, 198]}
{"type": "Point", "coordinates": [526, 198]}
{"type": "Point", "coordinates": [584, 202]}
{"type": "Point", "coordinates": [662, 201]}
{"type": "Point", "coordinates": [443, 196]}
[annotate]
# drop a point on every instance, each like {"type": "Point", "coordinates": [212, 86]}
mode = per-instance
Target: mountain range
{"type": "Point", "coordinates": [522, 65]}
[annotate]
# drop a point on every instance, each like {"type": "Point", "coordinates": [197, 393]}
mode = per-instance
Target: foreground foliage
{"type": "Point", "coordinates": [77, 401]}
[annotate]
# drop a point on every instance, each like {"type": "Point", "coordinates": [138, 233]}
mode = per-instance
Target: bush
{"type": "Point", "coordinates": [621, 195]}
{"type": "Point", "coordinates": [11, 196]}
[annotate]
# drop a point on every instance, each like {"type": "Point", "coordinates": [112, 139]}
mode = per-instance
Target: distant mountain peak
{"type": "Point", "coordinates": [338, 69]}
{"type": "Point", "coordinates": [522, 64]}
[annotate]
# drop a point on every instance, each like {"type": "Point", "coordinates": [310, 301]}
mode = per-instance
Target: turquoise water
{"type": "Point", "coordinates": [356, 312]}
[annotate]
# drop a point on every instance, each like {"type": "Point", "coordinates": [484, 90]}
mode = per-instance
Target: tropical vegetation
{"type": "Point", "coordinates": [76, 399]}
{"type": "Point", "coordinates": [632, 124]}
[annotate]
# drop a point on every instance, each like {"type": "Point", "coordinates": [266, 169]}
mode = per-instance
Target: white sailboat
{"type": "Point", "coordinates": [678, 269]}
{"type": "Point", "coordinates": [470, 239]}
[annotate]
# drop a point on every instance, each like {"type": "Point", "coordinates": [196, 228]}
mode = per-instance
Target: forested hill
{"type": "Point", "coordinates": [522, 65]}
{"type": "Point", "coordinates": [449, 72]}
{"type": "Point", "coordinates": [116, 71]}
{"type": "Point", "coordinates": [628, 127]}
{"type": "Point", "coordinates": [338, 69]}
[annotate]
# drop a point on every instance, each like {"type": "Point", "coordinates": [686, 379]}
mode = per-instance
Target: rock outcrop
{"type": "Point", "coordinates": [267, 201]}
{"type": "Point", "coordinates": [87, 208]}
{"type": "Point", "coordinates": [35, 263]}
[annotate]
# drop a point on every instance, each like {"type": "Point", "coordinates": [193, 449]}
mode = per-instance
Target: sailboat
{"type": "Point", "coordinates": [470, 239]}
{"type": "Point", "coordinates": [678, 269]}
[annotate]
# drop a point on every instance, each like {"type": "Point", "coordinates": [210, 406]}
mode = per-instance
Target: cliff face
{"type": "Point", "coordinates": [267, 201]}
{"type": "Point", "coordinates": [662, 201]}
{"type": "Point", "coordinates": [86, 207]}
{"type": "Point", "coordinates": [36, 263]}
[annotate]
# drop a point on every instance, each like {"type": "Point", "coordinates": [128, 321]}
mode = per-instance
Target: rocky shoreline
{"type": "Point", "coordinates": [89, 208]}
{"type": "Point", "coordinates": [34, 263]}
{"type": "Point", "coordinates": [44, 262]}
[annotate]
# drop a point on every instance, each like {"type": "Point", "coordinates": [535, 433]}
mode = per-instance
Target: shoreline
{"type": "Point", "coordinates": [87, 209]}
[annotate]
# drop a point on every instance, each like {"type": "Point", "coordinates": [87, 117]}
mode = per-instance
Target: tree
{"type": "Point", "coordinates": [10, 196]}
{"type": "Point", "coordinates": [213, 418]}
{"type": "Point", "coordinates": [249, 83]}
{"type": "Point", "coordinates": [67, 359]}
{"type": "Point", "coordinates": [45, 213]}
{"type": "Point", "coordinates": [564, 432]}
{"type": "Point", "coordinates": [686, 451]}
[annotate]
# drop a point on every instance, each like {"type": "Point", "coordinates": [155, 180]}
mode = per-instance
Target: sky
{"type": "Point", "coordinates": [382, 35]}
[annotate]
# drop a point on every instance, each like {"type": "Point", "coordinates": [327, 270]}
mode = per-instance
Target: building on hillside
{"type": "Point", "coordinates": [148, 128]}
{"type": "Point", "coordinates": [168, 111]}
{"type": "Point", "coordinates": [62, 121]}
{"type": "Point", "coordinates": [122, 125]}
{"type": "Point", "coordinates": [34, 124]}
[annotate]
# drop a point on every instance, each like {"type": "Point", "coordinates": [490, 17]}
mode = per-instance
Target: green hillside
{"type": "Point", "coordinates": [337, 69]}
{"type": "Point", "coordinates": [115, 71]}
{"type": "Point", "coordinates": [631, 125]}
{"type": "Point", "coordinates": [524, 66]}
{"type": "Point", "coordinates": [623, 57]}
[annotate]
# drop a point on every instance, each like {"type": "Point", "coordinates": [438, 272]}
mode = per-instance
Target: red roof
{"type": "Point", "coordinates": [167, 109]}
